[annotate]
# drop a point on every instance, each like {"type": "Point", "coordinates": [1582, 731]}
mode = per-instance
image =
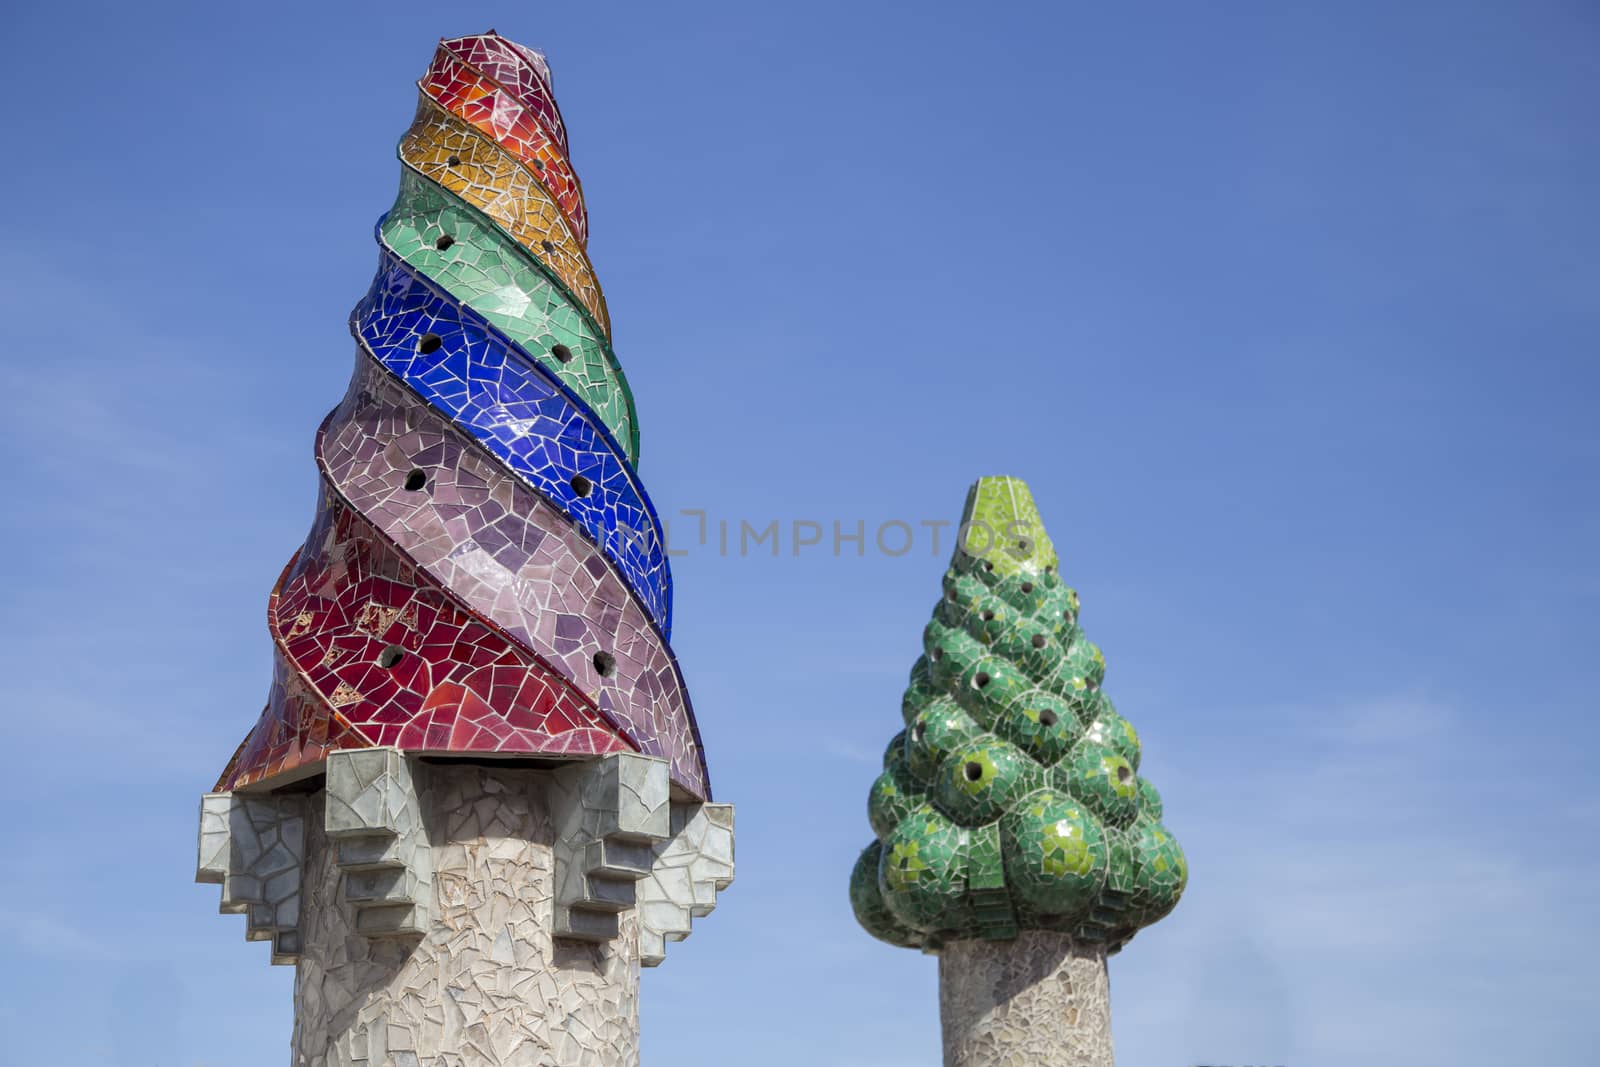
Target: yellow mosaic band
{"type": "Point", "coordinates": [477, 169]}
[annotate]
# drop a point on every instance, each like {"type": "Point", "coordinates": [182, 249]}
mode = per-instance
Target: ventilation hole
{"type": "Point", "coordinates": [1048, 718]}
{"type": "Point", "coordinates": [938, 654]}
{"type": "Point", "coordinates": [1024, 546]}
{"type": "Point", "coordinates": [1091, 684]}
{"type": "Point", "coordinates": [988, 616]}
{"type": "Point", "coordinates": [539, 165]}
{"type": "Point", "coordinates": [918, 731]}
{"type": "Point", "coordinates": [562, 353]}
{"type": "Point", "coordinates": [390, 656]}
{"type": "Point", "coordinates": [548, 246]}
{"type": "Point", "coordinates": [1038, 640]}
{"type": "Point", "coordinates": [453, 161]}
{"type": "Point", "coordinates": [1050, 569]}
{"type": "Point", "coordinates": [980, 679]}
{"type": "Point", "coordinates": [973, 771]}
{"type": "Point", "coordinates": [581, 485]}
{"type": "Point", "coordinates": [1027, 587]}
{"type": "Point", "coordinates": [988, 566]}
{"type": "Point", "coordinates": [605, 664]}
{"type": "Point", "coordinates": [444, 242]}
{"type": "Point", "coordinates": [429, 342]}
{"type": "Point", "coordinates": [951, 596]}
{"type": "Point", "coordinates": [1124, 773]}
{"type": "Point", "coordinates": [1067, 615]}
{"type": "Point", "coordinates": [416, 480]}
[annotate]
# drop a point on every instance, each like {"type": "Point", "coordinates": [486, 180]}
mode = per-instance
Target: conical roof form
{"type": "Point", "coordinates": [485, 574]}
{"type": "Point", "coordinates": [1011, 800]}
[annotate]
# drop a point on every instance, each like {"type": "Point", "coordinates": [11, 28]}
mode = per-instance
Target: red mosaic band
{"type": "Point", "coordinates": [468, 94]}
{"type": "Point", "coordinates": [512, 558]}
{"type": "Point", "coordinates": [521, 71]}
{"type": "Point", "coordinates": [380, 645]}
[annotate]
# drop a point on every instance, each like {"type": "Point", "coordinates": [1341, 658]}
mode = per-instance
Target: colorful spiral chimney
{"type": "Point", "coordinates": [486, 573]}
{"type": "Point", "coordinates": [485, 586]}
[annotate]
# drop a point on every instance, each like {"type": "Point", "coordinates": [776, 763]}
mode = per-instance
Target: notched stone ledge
{"type": "Point", "coordinates": [621, 844]}
{"type": "Point", "coordinates": [254, 847]}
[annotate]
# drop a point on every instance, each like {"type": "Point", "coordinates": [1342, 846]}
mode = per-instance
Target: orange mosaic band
{"type": "Point", "coordinates": [468, 94]}
{"type": "Point", "coordinates": [451, 152]}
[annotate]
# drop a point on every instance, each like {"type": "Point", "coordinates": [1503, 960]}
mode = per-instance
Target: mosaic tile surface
{"type": "Point", "coordinates": [467, 93]}
{"type": "Point", "coordinates": [451, 152]}
{"type": "Point", "coordinates": [496, 545]}
{"type": "Point", "coordinates": [520, 70]}
{"type": "Point", "coordinates": [456, 361]}
{"type": "Point", "coordinates": [1011, 802]}
{"type": "Point", "coordinates": [381, 655]}
{"type": "Point", "coordinates": [485, 572]}
{"type": "Point", "coordinates": [1042, 999]}
{"type": "Point", "coordinates": [443, 238]}
{"type": "Point", "coordinates": [485, 982]}
{"type": "Point", "coordinates": [619, 843]}
{"type": "Point", "coordinates": [476, 803]}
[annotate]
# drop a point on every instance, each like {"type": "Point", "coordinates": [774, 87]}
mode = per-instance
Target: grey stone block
{"type": "Point", "coordinates": [689, 870]}
{"type": "Point", "coordinates": [254, 848]}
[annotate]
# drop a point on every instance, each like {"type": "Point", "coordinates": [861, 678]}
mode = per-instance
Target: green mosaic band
{"type": "Point", "coordinates": [1011, 801]}
{"type": "Point", "coordinates": [461, 249]}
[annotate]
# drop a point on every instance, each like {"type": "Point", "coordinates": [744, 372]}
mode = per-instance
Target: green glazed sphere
{"type": "Point", "coordinates": [1102, 780]}
{"type": "Point", "coordinates": [1041, 724]}
{"type": "Point", "coordinates": [1055, 853]}
{"type": "Point", "coordinates": [1150, 808]}
{"type": "Point", "coordinates": [894, 751]}
{"type": "Point", "coordinates": [1028, 593]}
{"type": "Point", "coordinates": [1065, 681]}
{"type": "Point", "coordinates": [1060, 608]}
{"type": "Point", "coordinates": [987, 617]}
{"type": "Point", "coordinates": [919, 690]}
{"type": "Point", "coordinates": [1160, 873]}
{"type": "Point", "coordinates": [1084, 661]}
{"type": "Point", "coordinates": [1120, 877]}
{"type": "Point", "coordinates": [939, 729]}
{"type": "Point", "coordinates": [977, 781]}
{"type": "Point", "coordinates": [1114, 732]}
{"type": "Point", "coordinates": [962, 587]}
{"type": "Point", "coordinates": [1084, 702]}
{"type": "Point", "coordinates": [986, 687]}
{"type": "Point", "coordinates": [965, 563]}
{"type": "Point", "coordinates": [1031, 645]}
{"type": "Point", "coordinates": [951, 653]}
{"type": "Point", "coordinates": [867, 902]}
{"type": "Point", "coordinates": [922, 873]}
{"type": "Point", "coordinates": [894, 795]}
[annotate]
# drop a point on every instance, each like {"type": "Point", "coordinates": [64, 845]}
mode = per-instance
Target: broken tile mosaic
{"type": "Point", "coordinates": [516, 409]}
{"type": "Point", "coordinates": [456, 246]}
{"type": "Point", "coordinates": [520, 70]}
{"type": "Point", "coordinates": [518, 561]}
{"type": "Point", "coordinates": [468, 94]}
{"type": "Point", "coordinates": [476, 803]}
{"type": "Point", "coordinates": [451, 152]}
{"type": "Point", "coordinates": [486, 573]}
{"type": "Point", "coordinates": [1011, 802]}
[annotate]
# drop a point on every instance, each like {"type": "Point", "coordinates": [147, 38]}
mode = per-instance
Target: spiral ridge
{"type": "Point", "coordinates": [485, 573]}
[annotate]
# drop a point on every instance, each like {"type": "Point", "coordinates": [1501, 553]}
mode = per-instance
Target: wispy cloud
{"type": "Point", "coordinates": [1361, 885]}
{"type": "Point", "coordinates": [54, 938]}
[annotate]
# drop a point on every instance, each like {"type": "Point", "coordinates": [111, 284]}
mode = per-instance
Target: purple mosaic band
{"type": "Point", "coordinates": [519, 410]}
{"type": "Point", "coordinates": [512, 558]}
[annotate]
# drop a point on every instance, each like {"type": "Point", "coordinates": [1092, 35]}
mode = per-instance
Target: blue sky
{"type": "Point", "coordinates": [1288, 316]}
